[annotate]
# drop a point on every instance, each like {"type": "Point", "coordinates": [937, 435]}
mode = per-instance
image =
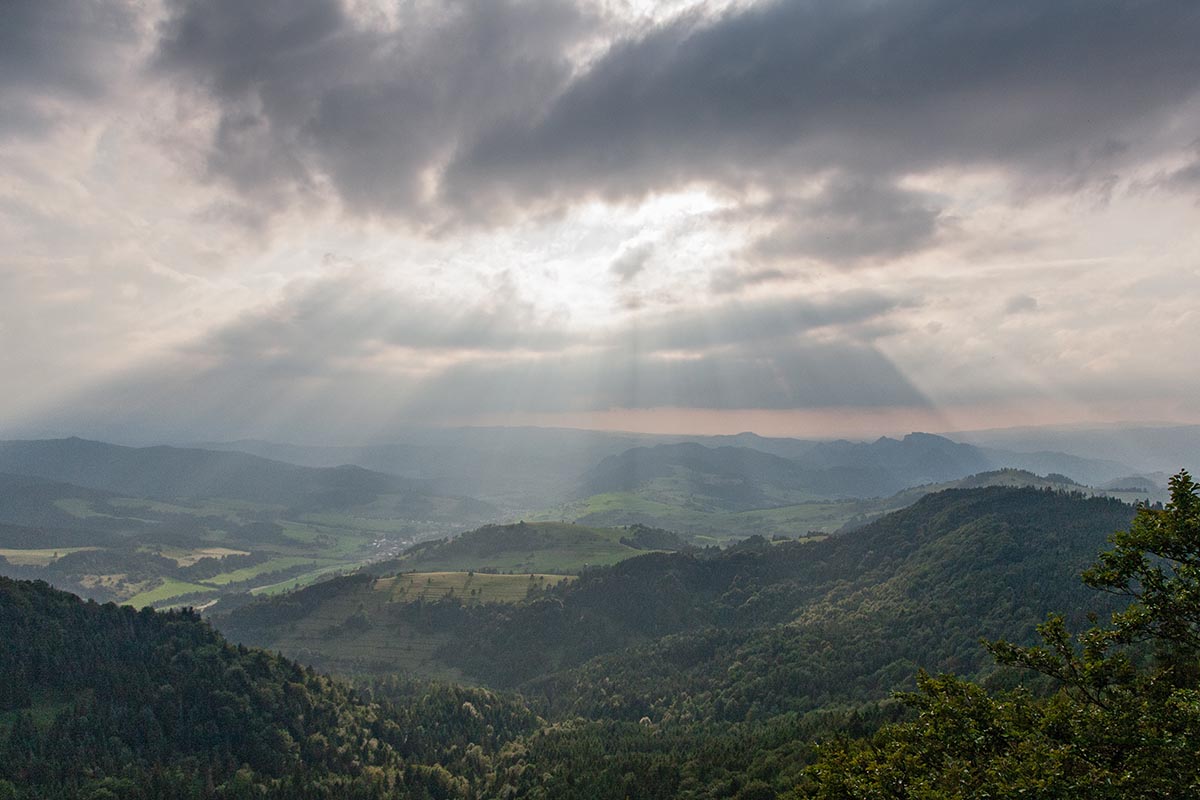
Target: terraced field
{"type": "Point", "coordinates": [469, 587]}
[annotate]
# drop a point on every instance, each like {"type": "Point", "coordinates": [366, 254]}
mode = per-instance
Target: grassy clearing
{"type": "Point", "coordinates": [273, 565]}
{"type": "Point", "coordinates": [77, 507]}
{"type": "Point", "coordinates": [348, 522]}
{"type": "Point", "coordinates": [169, 588]}
{"type": "Point", "coordinates": [39, 558]}
{"type": "Point", "coordinates": [302, 580]}
{"type": "Point", "coordinates": [467, 587]}
{"type": "Point", "coordinates": [542, 547]}
{"type": "Point", "coordinates": [138, 504]}
{"type": "Point", "coordinates": [379, 643]}
{"type": "Point", "coordinates": [42, 711]}
{"type": "Point", "coordinates": [358, 629]}
{"type": "Point", "coordinates": [185, 558]}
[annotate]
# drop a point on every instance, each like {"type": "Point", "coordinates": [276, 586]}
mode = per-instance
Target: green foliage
{"type": "Point", "coordinates": [158, 705]}
{"type": "Point", "coordinates": [1125, 722]}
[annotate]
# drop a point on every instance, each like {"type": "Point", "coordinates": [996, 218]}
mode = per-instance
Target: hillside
{"type": "Point", "coordinates": [354, 623]}
{"type": "Point", "coordinates": [100, 701]}
{"type": "Point", "coordinates": [834, 620]}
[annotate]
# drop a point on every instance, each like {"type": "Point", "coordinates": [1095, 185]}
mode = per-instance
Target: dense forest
{"type": "Point", "coordinates": [104, 701]}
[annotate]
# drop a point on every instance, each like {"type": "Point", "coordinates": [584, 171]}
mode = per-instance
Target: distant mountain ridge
{"type": "Point", "coordinates": [736, 478]}
{"type": "Point", "coordinates": [535, 468]}
{"type": "Point", "coordinates": [173, 472]}
{"type": "Point", "coordinates": [1146, 448]}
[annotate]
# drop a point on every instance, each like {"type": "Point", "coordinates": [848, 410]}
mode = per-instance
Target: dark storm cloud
{"type": "Point", "coordinates": [1185, 178]}
{"type": "Point", "coordinates": [852, 221]}
{"type": "Point", "coordinates": [701, 329]}
{"type": "Point", "coordinates": [57, 51]}
{"type": "Point", "coordinates": [305, 91]}
{"type": "Point", "coordinates": [476, 111]}
{"type": "Point", "coordinates": [1054, 89]}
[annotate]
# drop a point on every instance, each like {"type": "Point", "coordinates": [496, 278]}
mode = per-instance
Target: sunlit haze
{"type": "Point", "coordinates": [328, 220]}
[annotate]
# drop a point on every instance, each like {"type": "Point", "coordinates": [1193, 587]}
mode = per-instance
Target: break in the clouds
{"type": "Point", "coordinates": [218, 213]}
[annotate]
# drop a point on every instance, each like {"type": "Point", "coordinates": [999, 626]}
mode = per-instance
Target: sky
{"type": "Point", "coordinates": [331, 219]}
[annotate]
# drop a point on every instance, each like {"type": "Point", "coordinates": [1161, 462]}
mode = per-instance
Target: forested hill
{"type": "Point", "coordinates": [764, 627]}
{"type": "Point", "coordinates": [104, 701]}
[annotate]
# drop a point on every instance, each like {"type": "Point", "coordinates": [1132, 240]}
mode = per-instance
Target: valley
{"type": "Point", "coordinates": [171, 527]}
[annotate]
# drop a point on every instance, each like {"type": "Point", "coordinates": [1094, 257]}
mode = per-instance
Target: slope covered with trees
{"type": "Point", "coordinates": [1124, 723]}
{"type": "Point", "coordinates": [762, 627]}
{"type": "Point", "coordinates": [105, 701]}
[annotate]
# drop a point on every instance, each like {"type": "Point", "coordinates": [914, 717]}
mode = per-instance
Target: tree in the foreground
{"type": "Point", "coordinates": [1124, 723]}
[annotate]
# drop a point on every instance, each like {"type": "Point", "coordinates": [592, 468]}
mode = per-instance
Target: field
{"type": "Point", "coordinates": [39, 558]}
{"type": "Point", "coordinates": [299, 581]}
{"type": "Point", "coordinates": [168, 589]}
{"type": "Point", "coordinates": [186, 558]}
{"type": "Point", "coordinates": [250, 573]}
{"type": "Point", "coordinates": [356, 629]}
{"type": "Point", "coordinates": [543, 547]}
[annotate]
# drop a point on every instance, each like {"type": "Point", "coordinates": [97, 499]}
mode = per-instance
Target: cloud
{"type": "Point", "coordinates": [731, 280]}
{"type": "Point", "coordinates": [346, 319]}
{"type": "Point", "coordinates": [696, 330]}
{"type": "Point", "coordinates": [1020, 304]}
{"type": "Point", "coordinates": [308, 95]}
{"type": "Point", "coordinates": [58, 53]}
{"type": "Point", "coordinates": [342, 320]}
{"type": "Point", "coordinates": [483, 111]}
{"type": "Point", "coordinates": [852, 220]}
{"type": "Point", "coordinates": [760, 95]}
{"type": "Point", "coordinates": [1186, 178]}
{"type": "Point", "coordinates": [631, 261]}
